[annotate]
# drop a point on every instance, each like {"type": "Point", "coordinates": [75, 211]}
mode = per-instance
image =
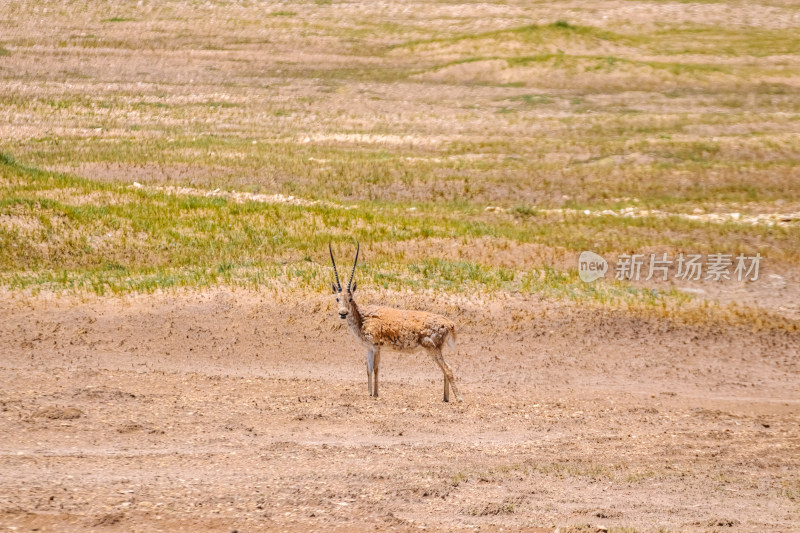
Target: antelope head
{"type": "Point", "coordinates": [344, 299]}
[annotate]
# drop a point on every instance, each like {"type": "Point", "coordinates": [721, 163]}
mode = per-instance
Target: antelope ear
{"type": "Point", "coordinates": [355, 283]}
{"type": "Point", "coordinates": [333, 285]}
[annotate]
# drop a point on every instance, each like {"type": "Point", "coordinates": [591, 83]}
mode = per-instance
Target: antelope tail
{"type": "Point", "coordinates": [451, 339]}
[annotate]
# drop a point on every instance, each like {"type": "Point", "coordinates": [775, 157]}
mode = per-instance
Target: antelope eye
{"type": "Point", "coordinates": [337, 299]}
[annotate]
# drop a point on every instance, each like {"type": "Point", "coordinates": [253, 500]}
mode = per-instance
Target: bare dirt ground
{"type": "Point", "coordinates": [247, 411]}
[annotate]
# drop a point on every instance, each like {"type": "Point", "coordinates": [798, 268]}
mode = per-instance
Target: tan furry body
{"type": "Point", "coordinates": [404, 330]}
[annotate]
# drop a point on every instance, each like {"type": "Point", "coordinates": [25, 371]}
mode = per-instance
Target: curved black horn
{"type": "Point", "coordinates": [349, 283]}
{"type": "Point", "coordinates": [334, 268]}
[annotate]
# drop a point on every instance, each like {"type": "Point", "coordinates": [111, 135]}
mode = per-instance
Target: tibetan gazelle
{"type": "Point", "coordinates": [394, 329]}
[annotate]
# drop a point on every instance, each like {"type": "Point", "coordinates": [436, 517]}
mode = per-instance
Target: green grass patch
{"type": "Point", "coordinates": [530, 33]}
{"type": "Point", "coordinates": [112, 239]}
{"type": "Point", "coordinates": [719, 40]}
{"type": "Point", "coordinates": [533, 99]}
{"type": "Point", "coordinates": [593, 63]}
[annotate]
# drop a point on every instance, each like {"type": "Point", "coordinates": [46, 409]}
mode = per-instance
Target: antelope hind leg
{"type": "Point", "coordinates": [449, 378]}
{"type": "Point", "coordinates": [447, 374]}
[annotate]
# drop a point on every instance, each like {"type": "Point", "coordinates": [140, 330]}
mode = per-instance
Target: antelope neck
{"type": "Point", "coordinates": [354, 319]}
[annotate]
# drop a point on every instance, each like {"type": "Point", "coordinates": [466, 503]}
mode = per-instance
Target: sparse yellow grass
{"type": "Point", "coordinates": [412, 121]}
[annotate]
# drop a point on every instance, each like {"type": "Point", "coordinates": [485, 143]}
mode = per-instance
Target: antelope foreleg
{"type": "Point", "coordinates": [370, 366]}
{"type": "Point", "coordinates": [377, 362]}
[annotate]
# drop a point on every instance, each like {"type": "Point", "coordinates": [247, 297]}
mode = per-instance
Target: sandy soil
{"type": "Point", "coordinates": [244, 411]}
